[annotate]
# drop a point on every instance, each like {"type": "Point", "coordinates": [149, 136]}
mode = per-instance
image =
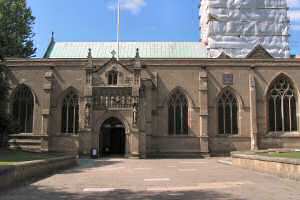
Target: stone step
{"type": "Point", "coordinates": [28, 142]}
{"type": "Point", "coordinates": [26, 136]}
{"type": "Point", "coordinates": [31, 148]}
{"type": "Point", "coordinates": [24, 141]}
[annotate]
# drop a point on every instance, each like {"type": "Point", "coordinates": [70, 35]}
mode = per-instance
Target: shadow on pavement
{"type": "Point", "coordinates": [86, 164]}
{"type": "Point", "coordinates": [38, 193]}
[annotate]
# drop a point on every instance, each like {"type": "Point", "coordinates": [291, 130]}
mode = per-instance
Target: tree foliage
{"type": "Point", "coordinates": [4, 89]}
{"type": "Point", "coordinates": [7, 124]}
{"type": "Point", "coordinates": [16, 36]}
{"type": "Point", "coordinates": [16, 40]}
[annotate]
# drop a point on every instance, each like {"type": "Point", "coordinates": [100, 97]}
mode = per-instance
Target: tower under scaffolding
{"type": "Point", "coordinates": [235, 27]}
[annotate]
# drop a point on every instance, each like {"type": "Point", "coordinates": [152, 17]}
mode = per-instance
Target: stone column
{"type": "Point", "coordinates": [46, 109]}
{"type": "Point", "coordinates": [146, 135]}
{"type": "Point", "coordinates": [203, 102]}
{"type": "Point", "coordinates": [47, 101]}
{"type": "Point", "coordinates": [86, 105]}
{"type": "Point", "coordinates": [253, 118]}
{"type": "Point", "coordinates": [86, 109]}
{"type": "Point", "coordinates": [141, 123]}
{"type": "Point", "coordinates": [138, 133]}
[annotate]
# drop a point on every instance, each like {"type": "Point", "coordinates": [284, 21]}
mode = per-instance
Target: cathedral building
{"type": "Point", "coordinates": [164, 99]}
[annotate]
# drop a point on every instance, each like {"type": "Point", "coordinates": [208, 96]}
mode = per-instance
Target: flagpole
{"type": "Point", "coordinates": [118, 31]}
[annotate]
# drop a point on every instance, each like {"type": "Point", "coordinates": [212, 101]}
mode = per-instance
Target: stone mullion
{"type": "Point", "coordinates": [174, 119]}
{"type": "Point", "coordinates": [290, 114]}
{"type": "Point", "coordinates": [181, 120]}
{"type": "Point", "coordinates": [224, 118]}
{"type": "Point", "coordinates": [282, 114]}
{"type": "Point", "coordinates": [26, 117]}
{"type": "Point", "coordinates": [231, 120]}
{"type": "Point", "coordinates": [275, 114]}
{"type": "Point", "coordinates": [74, 119]}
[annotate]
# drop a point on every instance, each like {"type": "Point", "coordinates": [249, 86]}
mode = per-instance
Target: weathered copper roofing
{"type": "Point", "coordinates": [127, 49]}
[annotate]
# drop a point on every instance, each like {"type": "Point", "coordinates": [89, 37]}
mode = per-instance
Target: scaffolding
{"type": "Point", "coordinates": [235, 27]}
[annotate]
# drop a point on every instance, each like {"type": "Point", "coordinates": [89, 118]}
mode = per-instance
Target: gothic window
{"type": "Point", "coordinates": [23, 104]}
{"type": "Point", "coordinates": [178, 114]}
{"type": "Point", "coordinates": [228, 114]}
{"type": "Point", "coordinates": [113, 77]}
{"type": "Point", "coordinates": [282, 106]}
{"type": "Point", "coordinates": [70, 114]}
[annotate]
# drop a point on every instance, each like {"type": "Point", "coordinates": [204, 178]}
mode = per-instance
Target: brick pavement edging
{"type": "Point", "coordinates": [282, 167]}
{"type": "Point", "coordinates": [12, 175]}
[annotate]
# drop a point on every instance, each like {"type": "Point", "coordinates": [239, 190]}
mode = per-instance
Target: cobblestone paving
{"type": "Point", "coordinates": [170, 179]}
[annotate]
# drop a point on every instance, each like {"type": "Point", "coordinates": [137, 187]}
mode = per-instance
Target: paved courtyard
{"type": "Point", "coordinates": [170, 179]}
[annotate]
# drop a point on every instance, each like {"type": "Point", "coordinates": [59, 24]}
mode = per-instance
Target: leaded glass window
{"type": "Point", "coordinates": [227, 114]}
{"type": "Point", "coordinates": [70, 114]}
{"type": "Point", "coordinates": [282, 106]}
{"type": "Point", "coordinates": [178, 114]}
{"type": "Point", "coordinates": [23, 103]}
{"type": "Point", "coordinates": [113, 77]}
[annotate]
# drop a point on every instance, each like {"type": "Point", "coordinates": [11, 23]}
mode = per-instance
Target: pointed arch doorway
{"type": "Point", "coordinates": [112, 138]}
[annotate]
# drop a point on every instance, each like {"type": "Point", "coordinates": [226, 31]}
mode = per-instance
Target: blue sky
{"type": "Point", "coordinates": [142, 20]}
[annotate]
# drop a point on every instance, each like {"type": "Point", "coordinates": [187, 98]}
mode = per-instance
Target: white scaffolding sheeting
{"type": "Point", "coordinates": [237, 26]}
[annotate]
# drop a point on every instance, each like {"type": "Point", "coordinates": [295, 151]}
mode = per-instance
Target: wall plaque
{"type": "Point", "coordinates": [228, 79]}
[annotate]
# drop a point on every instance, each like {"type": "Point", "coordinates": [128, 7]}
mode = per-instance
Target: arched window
{"type": "Point", "coordinates": [70, 114]}
{"type": "Point", "coordinates": [178, 114]}
{"type": "Point", "coordinates": [23, 103]}
{"type": "Point", "coordinates": [282, 106]}
{"type": "Point", "coordinates": [228, 114]}
{"type": "Point", "coordinates": [113, 77]}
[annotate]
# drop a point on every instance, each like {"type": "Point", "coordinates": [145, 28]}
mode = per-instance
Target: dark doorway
{"type": "Point", "coordinates": [112, 138]}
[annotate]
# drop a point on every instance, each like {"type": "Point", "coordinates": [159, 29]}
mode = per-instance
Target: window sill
{"type": "Point", "coordinates": [115, 86]}
{"type": "Point", "coordinates": [179, 136]}
{"type": "Point", "coordinates": [229, 136]}
{"type": "Point", "coordinates": [283, 134]}
{"type": "Point", "coordinates": [67, 135]}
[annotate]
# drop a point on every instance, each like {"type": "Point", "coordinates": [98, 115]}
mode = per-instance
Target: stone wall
{"type": "Point", "coordinates": [249, 77]}
{"type": "Point", "coordinates": [283, 167]}
{"type": "Point", "coordinates": [26, 171]}
{"type": "Point", "coordinates": [201, 80]}
{"type": "Point", "coordinates": [64, 143]}
{"type": "Point", "coordinates": [175, 144]}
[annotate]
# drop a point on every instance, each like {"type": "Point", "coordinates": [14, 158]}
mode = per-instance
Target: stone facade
{"type": "Point", "coordinates": [146, 85]}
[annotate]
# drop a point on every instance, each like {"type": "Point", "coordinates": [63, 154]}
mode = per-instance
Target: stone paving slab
{"type": "Point", "coordinates": [189, 179]}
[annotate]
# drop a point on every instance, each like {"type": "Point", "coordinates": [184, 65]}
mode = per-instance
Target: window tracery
{"type": "Point", "coordinates": [228, 114]}
{"type": "Point", "coordinates": [70, 113]}
{"type": "Point", "coordinates": [282, 106]}
{"type": "Point", "coordinates": [112, 77]}
{"type": "Point", "coordinates": [178, 114]}
{"type": "Point", "coordinates": [23, 104]}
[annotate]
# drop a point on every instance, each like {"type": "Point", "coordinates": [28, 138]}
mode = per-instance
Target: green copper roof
{"type": "Point", "coordinates": [127, 49]}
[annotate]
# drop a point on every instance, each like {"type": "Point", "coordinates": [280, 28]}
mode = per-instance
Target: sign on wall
{"type": "Point", "coordinates": [228, 79]}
